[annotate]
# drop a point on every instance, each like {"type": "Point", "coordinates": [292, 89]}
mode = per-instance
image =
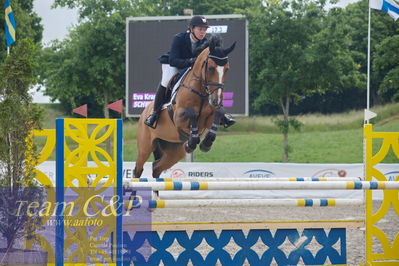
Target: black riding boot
{"type": "Point", "coordinates": [227, 120]}
{"type": "Point", "coordinates": [158, 102]}
{"type": "Point", "coordinates": [224, 119]}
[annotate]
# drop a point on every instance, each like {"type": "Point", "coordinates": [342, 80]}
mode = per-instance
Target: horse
{"type": "Point", "coordinates": [190, 116]}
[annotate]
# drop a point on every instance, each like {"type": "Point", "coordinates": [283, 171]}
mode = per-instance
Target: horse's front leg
{"type": "Point", "coordinates": [210, 137]}
{"type": "Point", "coordinates": [194, 138]}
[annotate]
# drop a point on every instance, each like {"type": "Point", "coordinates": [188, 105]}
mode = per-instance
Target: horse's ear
{"type": "Point", "coordinates": [230, 49]}
{"type": "Point", "coordinates": [212, 45]}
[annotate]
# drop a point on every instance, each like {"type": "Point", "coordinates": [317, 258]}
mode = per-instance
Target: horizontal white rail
{"type": "Point", "coordinates": [241, 203]}
{"type": "Point", "coordinates": [277, 185]}
{"type": "Point", "coordinates": [250, 179]}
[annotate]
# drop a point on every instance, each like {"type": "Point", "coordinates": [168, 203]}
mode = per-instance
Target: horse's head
{"type": "Point", "coordinates": [214, 66]}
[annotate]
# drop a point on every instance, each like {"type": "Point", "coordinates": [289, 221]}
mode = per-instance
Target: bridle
{"type": "Point", "coordinates": [204, 82]}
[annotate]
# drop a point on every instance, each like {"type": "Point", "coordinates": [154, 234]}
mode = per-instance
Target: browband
{"type": "Point", "coordinates": [220, 61]}
{"type": "Point", "coordinates": [216, 57]}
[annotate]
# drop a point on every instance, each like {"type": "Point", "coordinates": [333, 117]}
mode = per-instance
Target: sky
{"type": "Point", "coordinates": [56, 23]}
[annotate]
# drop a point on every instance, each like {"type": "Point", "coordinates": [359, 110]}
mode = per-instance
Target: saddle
{"type": "Point", "coordinates": [173, 87]}
{"type": "Point", "coordinates": [170, 97]}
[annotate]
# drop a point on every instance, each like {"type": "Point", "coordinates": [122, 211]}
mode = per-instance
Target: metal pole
{"type": "Point", "coordinates": [368, 63]}
{"type": "Point", "coordinates": [190, 157]}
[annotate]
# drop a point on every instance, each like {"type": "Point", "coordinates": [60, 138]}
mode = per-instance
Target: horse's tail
{"type": "Point", "coordinates": [157, 150]}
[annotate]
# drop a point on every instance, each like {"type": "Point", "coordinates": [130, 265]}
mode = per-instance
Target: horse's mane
{"type": "Point", "coordinates": [215, 40]}
{"type": "Point", "coordinates": [214, 48]}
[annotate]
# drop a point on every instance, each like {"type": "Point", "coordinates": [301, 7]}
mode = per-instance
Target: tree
{"type": "Point", "coordinates": [88, 66]}
{"type": "Point", "coordinates": [382, 27]}
{"type": "Point", "coordinates": [18, 156]}
{"type": "Point", "coordinates": [295, 52]}
{"type": "Point", "coordinates": [205, 7]}
{"type": "Point", "coordinates": [163, 8]}
{"type": "Point", "coordinates": [387, 67]}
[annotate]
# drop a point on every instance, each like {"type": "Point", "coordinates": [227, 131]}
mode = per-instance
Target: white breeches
{"type": "Point", "coordinates": [167, 73]}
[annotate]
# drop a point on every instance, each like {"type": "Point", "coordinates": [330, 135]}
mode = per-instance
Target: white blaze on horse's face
{"type": "Point", "coordinates": [217, 76]}
{"type": "Point", "coordinates": [220, 70]}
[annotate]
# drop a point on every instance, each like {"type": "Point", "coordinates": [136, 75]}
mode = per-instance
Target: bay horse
{"type": "Point", "coordinates": [192, 115]}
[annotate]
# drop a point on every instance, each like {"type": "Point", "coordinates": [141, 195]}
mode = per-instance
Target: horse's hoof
{"type": "Point", "coordinates": [205, 148]}
{"type": "Point", "coordinates": [188, 149]}
{"type": "Point", "coordinates": [155, 196]}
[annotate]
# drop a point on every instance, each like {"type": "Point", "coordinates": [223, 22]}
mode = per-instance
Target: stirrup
{"type": "Point", "coordinates": [151, 121]}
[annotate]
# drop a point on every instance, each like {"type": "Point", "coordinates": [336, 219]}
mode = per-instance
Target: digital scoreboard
{"type": "Point", "coordinates": [147, 38]}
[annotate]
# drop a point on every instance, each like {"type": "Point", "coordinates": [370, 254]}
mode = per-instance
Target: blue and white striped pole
{"type": "Point", "coordinates": [277, 185]}
{"type": "Point", "coordinates": [234, 203]}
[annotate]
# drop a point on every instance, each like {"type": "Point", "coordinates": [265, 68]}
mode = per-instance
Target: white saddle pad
{"type": "Point", "coordinates": [174, 90]}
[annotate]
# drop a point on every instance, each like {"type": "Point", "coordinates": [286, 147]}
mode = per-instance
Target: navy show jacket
{"type": "Point", "coordinates": [180, 52]}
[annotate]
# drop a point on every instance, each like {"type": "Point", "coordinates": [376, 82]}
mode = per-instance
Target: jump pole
{"type": "Point", "coordinates": [278, 185]}
{"type": "Point", "coordinates": [230, 203]}
{"type": "Point", "coordinates": [248, 179]}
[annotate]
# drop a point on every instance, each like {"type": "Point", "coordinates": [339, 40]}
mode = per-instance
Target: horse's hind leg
{"type": "Point", "coordinates": [144, 149]}
{"type": "Point", "coordinates": [171, 154]}
{"type": "Point", "coordinates": [157, 152]}
{"type": "Point", "coordinates": [142, 156]}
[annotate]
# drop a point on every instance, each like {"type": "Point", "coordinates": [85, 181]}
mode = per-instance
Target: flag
{"type": "Point", "coordinates": [81, 110]}
{"type": "Point", "coordinates": [10, 24]}
{"type": "Point", "coordinates": [368, 114]}
{"type": "Point", "coordinates": [389, 6]}
{"type": "Point", "coordinates": [116, 106]}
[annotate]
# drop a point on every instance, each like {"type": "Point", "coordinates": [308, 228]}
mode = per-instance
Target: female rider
{"type": "Point", "coordinates": [181, 56]}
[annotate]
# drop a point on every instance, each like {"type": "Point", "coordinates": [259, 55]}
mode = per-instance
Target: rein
{"type": "Point", "coordinates": [204, 82]}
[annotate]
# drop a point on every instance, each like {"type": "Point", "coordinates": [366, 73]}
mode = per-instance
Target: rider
{"type": "Point", "coordinates": [181, 56]}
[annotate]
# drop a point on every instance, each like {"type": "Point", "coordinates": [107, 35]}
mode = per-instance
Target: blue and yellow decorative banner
{"type": "Point", "coordinates": [88, 234]}
{"type": "Point", "coordinates": [375, 234]}
{"type": "Point", "coordinates": [10, 24]}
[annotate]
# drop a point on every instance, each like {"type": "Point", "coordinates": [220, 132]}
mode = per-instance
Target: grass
{"type": "Point", "coordinates": [319, 122]}
{"type": "Point", "coordinates": [51, 112]}
{"type": "Point", "coordinates": [336, 138]}
{"type": "Point", "coordinates": [343, 146]}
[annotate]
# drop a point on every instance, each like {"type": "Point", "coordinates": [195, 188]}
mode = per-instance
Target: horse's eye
{"type": "Point", "coordinates": [211, 68]}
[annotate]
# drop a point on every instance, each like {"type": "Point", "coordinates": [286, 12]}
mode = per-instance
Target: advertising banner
{"type": "Point", "coordinates": [202, 171]}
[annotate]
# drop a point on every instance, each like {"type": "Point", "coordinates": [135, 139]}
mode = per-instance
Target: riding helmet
{"type": "Point", "coordinates": [198, 21]}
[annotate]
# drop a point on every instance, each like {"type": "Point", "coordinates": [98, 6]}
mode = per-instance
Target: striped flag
{"type": "Point", "coordinates": [389, 6]}
{"type": "Point", "coordinates": [10, 24]}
